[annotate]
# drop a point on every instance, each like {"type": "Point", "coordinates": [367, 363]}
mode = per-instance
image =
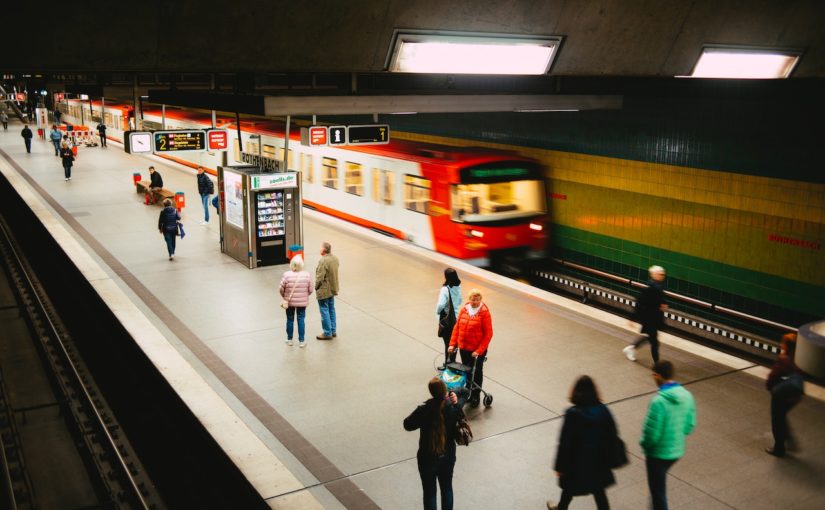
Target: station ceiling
{"type": "Point", "coordinates": [280, 47]}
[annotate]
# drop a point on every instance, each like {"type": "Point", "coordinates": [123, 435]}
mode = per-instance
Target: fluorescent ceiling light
{"type": "Point", "coordinates": [462, 53]}
{"type": "Point", "coordinates": [745, 63]}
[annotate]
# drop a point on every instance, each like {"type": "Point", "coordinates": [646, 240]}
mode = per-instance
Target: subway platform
{"type": "Point", "coordinates": [320, 427]}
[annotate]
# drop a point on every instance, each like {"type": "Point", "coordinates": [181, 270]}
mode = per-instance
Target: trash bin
{"type": "Point", "coordinates": [295, 249]}
{"type": "Point", "coordinates": [180, 200]}
{"type": "Point", "coordinates": [135, 178]}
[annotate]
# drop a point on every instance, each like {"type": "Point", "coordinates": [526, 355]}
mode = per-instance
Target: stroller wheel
{"type": "Point", "coordinates": [488, 400]}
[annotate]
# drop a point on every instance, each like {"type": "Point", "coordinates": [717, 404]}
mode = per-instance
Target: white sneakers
{"type": "Point", "coordinates": [203, 223]}
{"type": "Point", "coordinates": [630, 352]}
{"type": "Point", "coordinates": [302, 344]}
{"type": "Point", "coordinates": [289, 342]}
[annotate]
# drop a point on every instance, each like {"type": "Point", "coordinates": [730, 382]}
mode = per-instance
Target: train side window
{"type": "Point", "coordinates": [251, 147]}
{"type": "Point", "coordinates": [269, 151]}
{"type": "Point", "coordinates": [330, 172]}
{"type": "Point", "coordinates": [290, 157]}
{"type": "Point", "coordinates": [417, 194]}
{"type": "Point", "coordinates": [353, 181]}
{"type": "Point", "coordinates": [306, 167]}
{"type": "Point", "coordinates": [382, 186]}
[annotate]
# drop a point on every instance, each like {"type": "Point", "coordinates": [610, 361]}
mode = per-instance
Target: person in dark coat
{"type": "Point", "coordinates": [449, 301]}
{"type": "Point", "coordinates": [205, 188]}
{"type": "Point", "coordinates": [168, 226]}
{"type": "Point", "coordinates": [782, 401]}
{"type": "Point", "coordinates": [155, 184]}
{"type": "Point", "coordinates": [101, 130]}
{"type": "Point", "coordinates": [67, 158]}
{"type": "Point", "coordinates": [436, 419]}
{"type": "Point", "coordinates": [650, 313]}
{"type": "Point", "coordinates": [57, 116]}
{"type": "Point", "coordinates": [27, 138]}
{"type": "Point", "coordinates": [587, 435]}
{"type": "Point", "coordinates": [4, 118]}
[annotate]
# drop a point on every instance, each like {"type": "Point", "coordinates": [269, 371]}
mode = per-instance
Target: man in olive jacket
{"type": "Point", "coordinates": [670, 418]}
{"type": "Point", "coordinates": [326, 288]}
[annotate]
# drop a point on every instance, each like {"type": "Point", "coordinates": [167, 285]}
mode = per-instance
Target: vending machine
{"type": "Point", "coordinates": [259, 214]}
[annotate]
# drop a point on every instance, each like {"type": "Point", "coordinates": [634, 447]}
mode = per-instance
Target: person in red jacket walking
{"type": "Point", "coordinates": [471, 335]}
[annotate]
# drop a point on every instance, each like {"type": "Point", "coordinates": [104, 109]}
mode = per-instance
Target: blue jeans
{"type": "Point", "coordinates": [290, 314]}
{"type": "Point", "coordinates": [656, 478]}
{"type": "Point", "coordinates": [327, 307]}
{"type": "Point", "coordinates": [205, 202]}
{"type": "Point", "coordinates": [440, 469]}
{"type": "Point", "coordinates": [56, 147]}
{"type": "Point", "coordinates": [169, 237]}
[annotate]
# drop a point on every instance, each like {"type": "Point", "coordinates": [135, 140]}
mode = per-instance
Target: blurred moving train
{"type": "Point", "coordinates": [481, 205]}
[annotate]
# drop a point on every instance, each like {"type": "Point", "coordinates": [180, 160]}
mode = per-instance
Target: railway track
{"type": "Point", "coordinates": [114, 477]}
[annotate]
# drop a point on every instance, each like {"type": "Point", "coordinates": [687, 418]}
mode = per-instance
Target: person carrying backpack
{"type": "Point", "coordinates": [205, 189]}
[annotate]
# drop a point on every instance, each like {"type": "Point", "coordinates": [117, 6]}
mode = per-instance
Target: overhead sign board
{"type": "Point", "coordinates": [373, 134]}
{"type": "Point", "coordinates": [138, 142]}
{"type": "Point", "coordinates": [337, 135]}
{"type": "Point", "coordinates": [314, 136]}
{"type": "Point", "coordinates": [217, 139]}
{"type": "Point", "coordinates": [179, 141]}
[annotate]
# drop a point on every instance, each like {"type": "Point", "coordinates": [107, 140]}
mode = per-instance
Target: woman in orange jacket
{"type": "Point", "coordinates": [471, 335]}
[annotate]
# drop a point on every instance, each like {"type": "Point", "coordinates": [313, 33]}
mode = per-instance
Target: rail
{"type": "Point", "coordinates": [53, 332]}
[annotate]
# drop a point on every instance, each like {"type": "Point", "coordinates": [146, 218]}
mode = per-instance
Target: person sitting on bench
{"type": "Point", "coordinates": [156, 184]}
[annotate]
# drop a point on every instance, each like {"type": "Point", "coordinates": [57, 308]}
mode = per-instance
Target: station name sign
{"type": "Point", "coordinates": [367, 134]}
{"type": "Point", "coordinates": [264, 163]}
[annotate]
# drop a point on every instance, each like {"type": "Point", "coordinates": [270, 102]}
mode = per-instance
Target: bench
{"type": "Point", "coordinates": [159, 196]}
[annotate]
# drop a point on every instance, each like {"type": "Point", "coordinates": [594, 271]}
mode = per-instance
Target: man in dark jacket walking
{"type": "Point", "coordinates": [205, 189]}
{"type": "Point", "coordinates": [101, 130]}
{"type": "Point", "coordinates": [650, 313]}
{"type": "Point", "coordinates": [27, 138]}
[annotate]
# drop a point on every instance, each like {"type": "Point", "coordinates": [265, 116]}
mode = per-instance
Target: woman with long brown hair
{"type": "Point", "coordinates": [436, 419]}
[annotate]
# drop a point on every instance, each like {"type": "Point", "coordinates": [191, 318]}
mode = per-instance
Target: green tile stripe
{"type": "Point", "coordinates": [708, 232]}
{"type": "Point", "coordinates": [754, 285]}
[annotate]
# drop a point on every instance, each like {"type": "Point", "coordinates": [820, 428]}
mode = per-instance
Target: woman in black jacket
{"type": "Point", "coordinates": [587, 436]}
{"type": "Point", "coordinates": [436, 418]}
{"type": "Point", "coordinates": [168, 226]}
{"type": "Point", "coordinates": [67, 156]}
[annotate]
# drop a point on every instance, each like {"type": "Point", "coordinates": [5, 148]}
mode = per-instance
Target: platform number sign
{"type": "Point", "coordinates": [373, 134]}
{"type": "Point", "coordinates": [337, 135]}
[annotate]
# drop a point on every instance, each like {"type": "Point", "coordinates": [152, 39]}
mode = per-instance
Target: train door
{"type": "Point", "coordinates": [383, 183]}
{"type": "Point", "coordinates": [415, 209]}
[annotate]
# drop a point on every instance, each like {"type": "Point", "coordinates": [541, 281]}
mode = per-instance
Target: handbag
{"type": "Point", "coordinates": [463, 432]}
{"type": "Point", "coordinates": [446, 319]}
{"type": "Point", "coordinates": [285, 302]}
{"type": "Point", "coordinates": [790, 388]}
{"type": "Point", "coordinates": [617, 454]}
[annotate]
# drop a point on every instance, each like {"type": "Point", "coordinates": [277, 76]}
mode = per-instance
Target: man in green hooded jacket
{"type": "Point", "coordinates": [671, 417]}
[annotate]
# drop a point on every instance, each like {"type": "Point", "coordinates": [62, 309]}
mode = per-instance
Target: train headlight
{"type": "Point", "coordinates": [476, 233]}
{"type": "Point", "coordinates": [536, 227]}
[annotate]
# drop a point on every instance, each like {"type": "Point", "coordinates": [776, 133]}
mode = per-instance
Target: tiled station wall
{"type": "Point", "coordinates": [728, 196]}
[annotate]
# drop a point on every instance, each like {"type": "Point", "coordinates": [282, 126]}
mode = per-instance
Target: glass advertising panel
{"type": "Point", "coordinates": [233, 198]}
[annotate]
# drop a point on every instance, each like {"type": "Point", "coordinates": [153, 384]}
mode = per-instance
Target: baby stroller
{"type": "Point", "coordinates": [460, 379]}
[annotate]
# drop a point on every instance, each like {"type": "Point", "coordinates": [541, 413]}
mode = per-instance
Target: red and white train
{"type": "Point", "coordinates": [476, 204]}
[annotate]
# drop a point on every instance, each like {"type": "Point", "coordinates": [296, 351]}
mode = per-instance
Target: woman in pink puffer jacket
{"type": "Point", "coordinates": [296, 286]}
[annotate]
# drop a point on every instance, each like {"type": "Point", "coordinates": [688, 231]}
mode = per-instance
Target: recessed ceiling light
{"type": "Point", "coordinates": [470, 53]}
{"type": "Point", "coordinates": [745, 63]}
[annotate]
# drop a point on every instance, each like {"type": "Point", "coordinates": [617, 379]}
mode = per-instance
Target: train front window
{"type": "Point", "coordinates": [497, 201]}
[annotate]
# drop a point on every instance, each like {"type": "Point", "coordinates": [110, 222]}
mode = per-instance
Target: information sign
{"type": "Point", "coordinates": [337, 135]}
{"type": "Point", "coordinates": [178, 141]}
{"type": "Point", "coordinates": [138, 142]}
{"type": "Point", "coordinates": [374, 134]}
{"type": "Point", "coordinates": [217, 139]}
{"type": "Point", "coordinates": [314, 136]}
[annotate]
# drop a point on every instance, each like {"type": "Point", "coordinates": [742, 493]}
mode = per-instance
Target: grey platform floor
{"type": "Point", "coordinates": [341, 403]}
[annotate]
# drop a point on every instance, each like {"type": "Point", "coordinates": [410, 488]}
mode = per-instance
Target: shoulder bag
{"type": "Point", "coordinates": [446, 319]}
{"type": "Point", "coordinates": [285, 302]}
